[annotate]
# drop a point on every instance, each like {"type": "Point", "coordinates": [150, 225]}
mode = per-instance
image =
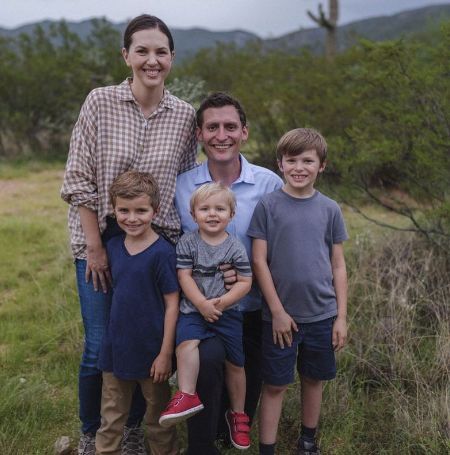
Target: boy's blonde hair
{"type": "Point", "coordinates": [132, 184]}
{"type": "Point", "coordinates": [211, 189]}
{"type": "Point", "coordinates": [299, 140]}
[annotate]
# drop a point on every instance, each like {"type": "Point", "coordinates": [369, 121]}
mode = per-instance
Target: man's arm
{"type": "Point", "coordinates": [191, 291]}
{"type": "Point", "coordinates": [282, 323]}
{"type": "Point", "coordinates": [161, 368]}
{"type": "Point", "coordinates": [340, 287]}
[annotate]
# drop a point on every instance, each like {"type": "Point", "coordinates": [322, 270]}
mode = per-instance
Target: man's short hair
{"type": "Point", "coordinates": [299, 140]}
{"type": "Point", "coordinates": [132, 184]}
{"type": "Point", "coordinates": [220, 99]}
{"type": "Point", "coordinates": [211, 189]}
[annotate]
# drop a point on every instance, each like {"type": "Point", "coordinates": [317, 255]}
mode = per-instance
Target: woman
{"type": "Point", "coordinates": [137, 125]}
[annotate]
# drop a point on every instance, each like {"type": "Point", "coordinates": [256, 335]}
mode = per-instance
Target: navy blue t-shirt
{"type": "Point", "coordinates": [135, 327]}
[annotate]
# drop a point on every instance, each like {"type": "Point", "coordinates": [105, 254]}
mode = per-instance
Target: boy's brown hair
{"type": "Point", "coordinates": [132, 184]}
{"type": "Point", "coordinates": [299, 140]}
{"type": "Point", "coordinates": [211, 189]}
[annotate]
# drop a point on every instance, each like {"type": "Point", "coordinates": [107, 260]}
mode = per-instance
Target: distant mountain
{"type": "Point", "coordinates": [189, 41]}
{"type": "Point", "coordinates": [406, 23]}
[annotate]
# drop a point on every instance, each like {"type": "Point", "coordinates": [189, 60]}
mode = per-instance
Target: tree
{"type": "Point", "coordinates": [330, 25]}
{"type": "Point", "coordinates": [397, 149]}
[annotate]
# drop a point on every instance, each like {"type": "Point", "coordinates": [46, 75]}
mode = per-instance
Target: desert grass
{"type": "Point", "coordinates": [391, 395]}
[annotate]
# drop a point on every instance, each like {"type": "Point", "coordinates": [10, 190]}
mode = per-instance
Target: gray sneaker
{"type": "Point", "coordinates": [86, 446]}
{"type": "Point", "coordinates": [133, 441]}
{"type": "Point", "coordinates": [307, 448]}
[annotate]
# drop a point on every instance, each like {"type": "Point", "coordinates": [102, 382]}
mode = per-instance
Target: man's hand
{"type": "Point", "coordinates": [97, 266]}
{"type": "Point", "coordinates": [161, 368]}
{"type": "Point", "coordinates": [282, 327]}
{"type": "Point", "coordinates": [229, 275]}
{"type": "Point", "coordinates": [339, 333]}
{"type": "Point", "coordinates": [209, 310]}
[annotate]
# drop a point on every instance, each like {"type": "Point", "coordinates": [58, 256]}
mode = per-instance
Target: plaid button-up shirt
{"type": "Point", "coordinates": [112, 136]}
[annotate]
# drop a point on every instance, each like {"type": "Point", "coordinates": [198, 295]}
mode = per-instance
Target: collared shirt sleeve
{"type": "Point", "coordinates": [189, 153]}
{"type": "Point", "coordinates": [79, 185]}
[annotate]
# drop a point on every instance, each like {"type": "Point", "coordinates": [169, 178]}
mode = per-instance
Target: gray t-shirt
{"type": "Point", "coordinates": [300, 234]}
{"type": "Point", "coordinates": [204, 260]}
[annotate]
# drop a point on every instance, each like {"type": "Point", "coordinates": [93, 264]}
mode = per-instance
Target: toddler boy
{"type": "Point", "coordinates": [208, 309]}
{"type": "Point", "coordinates": [298, 260]}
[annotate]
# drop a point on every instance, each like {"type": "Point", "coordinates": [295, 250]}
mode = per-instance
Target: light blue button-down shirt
{"type": "Point", "coordinates": [253, 182]}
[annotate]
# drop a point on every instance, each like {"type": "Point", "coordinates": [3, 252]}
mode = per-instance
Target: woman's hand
{"type": "Point", "coordinates": [97, 266]}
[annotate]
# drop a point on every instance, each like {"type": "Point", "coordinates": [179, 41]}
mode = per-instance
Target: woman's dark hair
{"type": "Point", "coordinates": [144, 22]}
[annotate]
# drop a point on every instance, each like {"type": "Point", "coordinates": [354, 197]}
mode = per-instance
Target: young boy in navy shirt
{"type": "Point", "coordinates": [298, 260]}
{"type": "Point", "coordinates": [138, 345]}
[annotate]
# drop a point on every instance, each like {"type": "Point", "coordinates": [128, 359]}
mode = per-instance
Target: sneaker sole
{"type": "Point", "coordinates": [237, 446]}
{"type": "Point", "coordinates": [172, 419]}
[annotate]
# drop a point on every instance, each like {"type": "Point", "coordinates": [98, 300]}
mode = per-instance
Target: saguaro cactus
{"type": "Point", "coordinates": [330, 25]}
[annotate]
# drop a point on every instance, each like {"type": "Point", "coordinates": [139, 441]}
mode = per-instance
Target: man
{"type": "Point", "coordinates": [222, 129]}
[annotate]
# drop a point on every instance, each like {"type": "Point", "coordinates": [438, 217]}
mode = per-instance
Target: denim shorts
{"type": "Point", "coordinates": [312, 351]}
{"type": "Point", "coordinates": [228, 328]}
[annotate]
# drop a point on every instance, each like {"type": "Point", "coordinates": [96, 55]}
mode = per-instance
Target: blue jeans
{"type": "Point", "coordinates": [95, 307]}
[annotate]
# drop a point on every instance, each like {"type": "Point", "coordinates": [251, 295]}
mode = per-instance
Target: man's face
{"type": "Point", "coordinates": [222, 134]}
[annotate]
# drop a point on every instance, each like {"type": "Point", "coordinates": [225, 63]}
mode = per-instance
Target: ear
{"type": "Point", "coordinates": [155, 212]}
{"type": "Point", "coordinates": [322, 167]}
{"type": "Point", "coordinates": [198, 133]}
{"type": "Point", "coordinates": [173, 56]}
{"type": "Point", "coordinates": [244, 133]}
{"type": "Point", "coordinates": [280, 165]}
{"type": "Point", "coordinates": [193, 216]}
{"type": "Point", "coordinates": [125, 56]}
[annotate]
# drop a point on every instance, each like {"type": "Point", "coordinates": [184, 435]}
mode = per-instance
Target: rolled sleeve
{"type": "Point", "coordinates": [79, 185]}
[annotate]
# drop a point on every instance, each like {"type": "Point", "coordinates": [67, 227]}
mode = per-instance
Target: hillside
{"type": "Point", "coordinates": [189, 41]}
{"type": "Point", "coordinates": [406, 23]}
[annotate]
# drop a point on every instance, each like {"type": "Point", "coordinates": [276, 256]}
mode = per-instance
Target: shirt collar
{"type": "Point", "coordinates": [246, 176]}
{"type": "Point", "coordinates": [125, 94]}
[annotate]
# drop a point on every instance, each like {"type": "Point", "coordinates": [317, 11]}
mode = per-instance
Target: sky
{"type": "Point", "coordinates": [265, 18]}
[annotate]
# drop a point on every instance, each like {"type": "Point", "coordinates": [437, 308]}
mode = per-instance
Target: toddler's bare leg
{"type": "Point", "coordinates": [235, 381]}
{"type": "Point", "coordinates": [188, 363]}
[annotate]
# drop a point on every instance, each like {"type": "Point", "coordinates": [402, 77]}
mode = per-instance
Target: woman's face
{"type": "Point", "coordinates": [149, 57]}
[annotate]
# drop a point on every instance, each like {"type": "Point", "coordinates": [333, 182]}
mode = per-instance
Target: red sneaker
{"type": "Point", "coordinates": [180, 407]}
{"type": "Point", "coordinates": [238, 426]}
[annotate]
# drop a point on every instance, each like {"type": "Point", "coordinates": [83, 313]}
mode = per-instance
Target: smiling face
{"type": "Point", "coordinates": [212, 214]}
{"type": "Point", "coordinates": [134, 216]}
{"type": "Point", "coordinates": [300, 172]}
{"type": "Point", "coordinates": [149, 57]}
{"type": "Point", "coordinates": [222, 134]}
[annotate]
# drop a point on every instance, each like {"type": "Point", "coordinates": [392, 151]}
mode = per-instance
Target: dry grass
{"type": "Point", "coordinates": [392, 392]}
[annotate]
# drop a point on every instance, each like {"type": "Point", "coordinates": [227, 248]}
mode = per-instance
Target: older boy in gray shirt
{"type": "Point", "coordinates": [298, 259]}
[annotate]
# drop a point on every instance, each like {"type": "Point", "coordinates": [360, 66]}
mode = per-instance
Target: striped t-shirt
{"type": "Point", "coordinates": [205, 260]}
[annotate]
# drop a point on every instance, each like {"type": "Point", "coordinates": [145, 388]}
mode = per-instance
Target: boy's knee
{"type": "Point", "coordinates": [305, 380]}
{"type": "Point", "coordinates": [274, 390]}
{"type": "Point", "coordinates": [187, 345]}
{"type": "Point", "coordinates": [232, 368]}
